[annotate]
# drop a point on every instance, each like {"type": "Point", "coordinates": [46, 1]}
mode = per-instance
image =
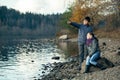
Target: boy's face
{"type": "Point", "coordinates": [85, 22]}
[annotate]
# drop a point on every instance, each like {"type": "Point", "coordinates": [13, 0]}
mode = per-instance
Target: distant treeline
{"type": "Point", "coordinates": [13, 23]}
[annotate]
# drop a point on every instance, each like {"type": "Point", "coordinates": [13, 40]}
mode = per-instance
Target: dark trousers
{"type": "Point", "coordinates": [82, 52]}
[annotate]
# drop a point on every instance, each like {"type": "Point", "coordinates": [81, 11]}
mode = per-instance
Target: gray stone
{"type": "Point", "coordinates": [104, 44]}
{"type": "Point", "coordinates": [63, 37]}
{"type": "Point", "coordinates": [56, 58]}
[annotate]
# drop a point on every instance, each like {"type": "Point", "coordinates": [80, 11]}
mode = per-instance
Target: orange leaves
{"type": "Point", "coordinates": [80, 10]}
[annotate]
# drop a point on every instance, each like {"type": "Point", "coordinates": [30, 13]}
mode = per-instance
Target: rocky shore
{"type": "Point", "coordinates": [110, 58]}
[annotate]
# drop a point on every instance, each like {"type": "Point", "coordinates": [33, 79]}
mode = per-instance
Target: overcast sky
{"type": "Point", "coordinates": [38, 6]}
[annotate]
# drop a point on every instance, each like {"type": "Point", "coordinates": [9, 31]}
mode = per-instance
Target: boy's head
{"type": "Point", "coordinates": [86, 20]}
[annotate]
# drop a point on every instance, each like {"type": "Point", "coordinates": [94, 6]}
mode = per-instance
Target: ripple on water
{"type": "Point", "coordinates": [24, 60]}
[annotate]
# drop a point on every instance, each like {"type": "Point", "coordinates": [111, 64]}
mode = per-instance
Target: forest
{"type": "Point", "coordinates": [15, 24]}
{"type": "Point", "coordinates": [104, 14]}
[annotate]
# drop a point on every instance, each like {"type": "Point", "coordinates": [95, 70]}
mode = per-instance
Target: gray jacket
{"type": "Point", "coordinates": [93, 47]}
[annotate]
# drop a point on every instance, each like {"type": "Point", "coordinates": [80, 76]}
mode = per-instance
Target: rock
{"type": "Point", "coordinates": [118, 53]}
{"type": "Point", "coordinates": [106, 63]}
{"type": "Point", "coordinates": [34, 78]}
{"type": "Point", "coordinates": [78, 74]}
{"type": "Point", "coordinates": [63, 37]}
{"type": "Point", "coordinates": [109, 40]}
{"type": "Point", "coordinates": [104, 44]}
{"type": "Point", "coordinates": [74, 58]}
{"type": "Point", "coordinates": [65, 79]}
{"type": "Point", "coordinates": [45, 66]}
{"type": "Point", "coordinates": [59, 76]}
{"type": "Point", "coordinates": [119, 48]}
{"type": "Point", "coordinates": [32, 61]}
{"type": "Point", "coordinates": [43, 71]}
{"type": "Point", "coordinates": [56, 58]}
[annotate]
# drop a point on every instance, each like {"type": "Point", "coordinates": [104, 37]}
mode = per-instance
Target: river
{"type": "Point", "coordinates": [25, 59]}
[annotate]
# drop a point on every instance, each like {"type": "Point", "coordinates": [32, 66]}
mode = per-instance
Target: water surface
{"type": "Point", "coordinates": [25, 59]}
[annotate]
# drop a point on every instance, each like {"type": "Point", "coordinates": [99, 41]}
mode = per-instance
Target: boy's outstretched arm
{"type": "Point", "coordinates": [74, 24]}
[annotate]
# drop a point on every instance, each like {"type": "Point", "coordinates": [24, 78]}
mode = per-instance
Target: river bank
{"type": "Point", "coordinates": [110, 58]}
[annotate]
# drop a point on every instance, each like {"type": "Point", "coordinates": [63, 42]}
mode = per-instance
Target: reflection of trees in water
{"type": "Point", "coordinates": [5, 48]}
{"type": "Point", "coordinates": [69, 48]}
{"type": "Point", "coordinates": [4, 55]}
{"type": "Point", "coordinates": [3, 52]}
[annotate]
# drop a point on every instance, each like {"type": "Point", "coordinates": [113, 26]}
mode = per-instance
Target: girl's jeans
{"type": "Point", "coordinates": [93, 59]}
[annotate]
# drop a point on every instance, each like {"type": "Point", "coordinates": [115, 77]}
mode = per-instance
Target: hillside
{"type": "Point", "coordinates": [13, 23]}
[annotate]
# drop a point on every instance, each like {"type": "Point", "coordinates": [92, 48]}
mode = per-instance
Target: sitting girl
{"type": "Point", "coordinates": [93, 52]}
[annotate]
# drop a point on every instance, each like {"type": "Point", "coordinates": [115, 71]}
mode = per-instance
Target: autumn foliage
{"type": "Point", "coordinates": [98, 10]}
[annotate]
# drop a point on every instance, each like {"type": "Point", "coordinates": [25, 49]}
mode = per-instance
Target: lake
{"type": "Point", "coordinates": [25, 59]}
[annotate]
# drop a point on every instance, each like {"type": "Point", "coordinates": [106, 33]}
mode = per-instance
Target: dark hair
{"type": "Point", "coordinates": [87, 18]}
{"type": "Point", "coordinates": [93, 35]}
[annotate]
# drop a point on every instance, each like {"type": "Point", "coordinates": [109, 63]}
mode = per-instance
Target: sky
{"type": "Point", "coordinates": [38, 6]}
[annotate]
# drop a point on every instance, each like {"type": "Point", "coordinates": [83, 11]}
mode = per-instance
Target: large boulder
{"type": "Point", "coordinates": [105, 62]}
{"type": "Point", "coordinates": [63, 37]}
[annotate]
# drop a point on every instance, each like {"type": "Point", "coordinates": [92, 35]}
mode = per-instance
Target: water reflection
{"type": "Point", "coordinates": [69, 48]}
{"type": "Point", "coordinates": [25, 59]}
{"type": "Point", "coordinates": [3, 57]}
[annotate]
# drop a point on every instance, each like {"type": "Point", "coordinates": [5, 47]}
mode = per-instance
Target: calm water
{"type": "Point", "coordinates": [25, 59]}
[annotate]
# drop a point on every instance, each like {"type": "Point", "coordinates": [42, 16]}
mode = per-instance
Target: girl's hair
{"type": "Point", "coordinates": [93, 35]}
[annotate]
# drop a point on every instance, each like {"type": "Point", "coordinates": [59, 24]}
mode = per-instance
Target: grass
{"type": "Point", "coordinates": [101, 33]}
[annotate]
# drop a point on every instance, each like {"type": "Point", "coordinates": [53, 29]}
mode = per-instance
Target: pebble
{"type": "Point", "coordinates": [119, 48]}
{"type": "Point", "coordinates": [56, 58]}
{"type": "Point", "coordinates": [32, 61]}
{"type": "Point", "coordinates": [43, 72]}
{"type": "Point", "coordinates": [118, 52]}
{"type": "Point", "coordinates": [104, 44]}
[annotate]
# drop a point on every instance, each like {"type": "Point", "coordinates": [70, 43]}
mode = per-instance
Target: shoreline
{"type": "Point", "coordinates": [68, 71]}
